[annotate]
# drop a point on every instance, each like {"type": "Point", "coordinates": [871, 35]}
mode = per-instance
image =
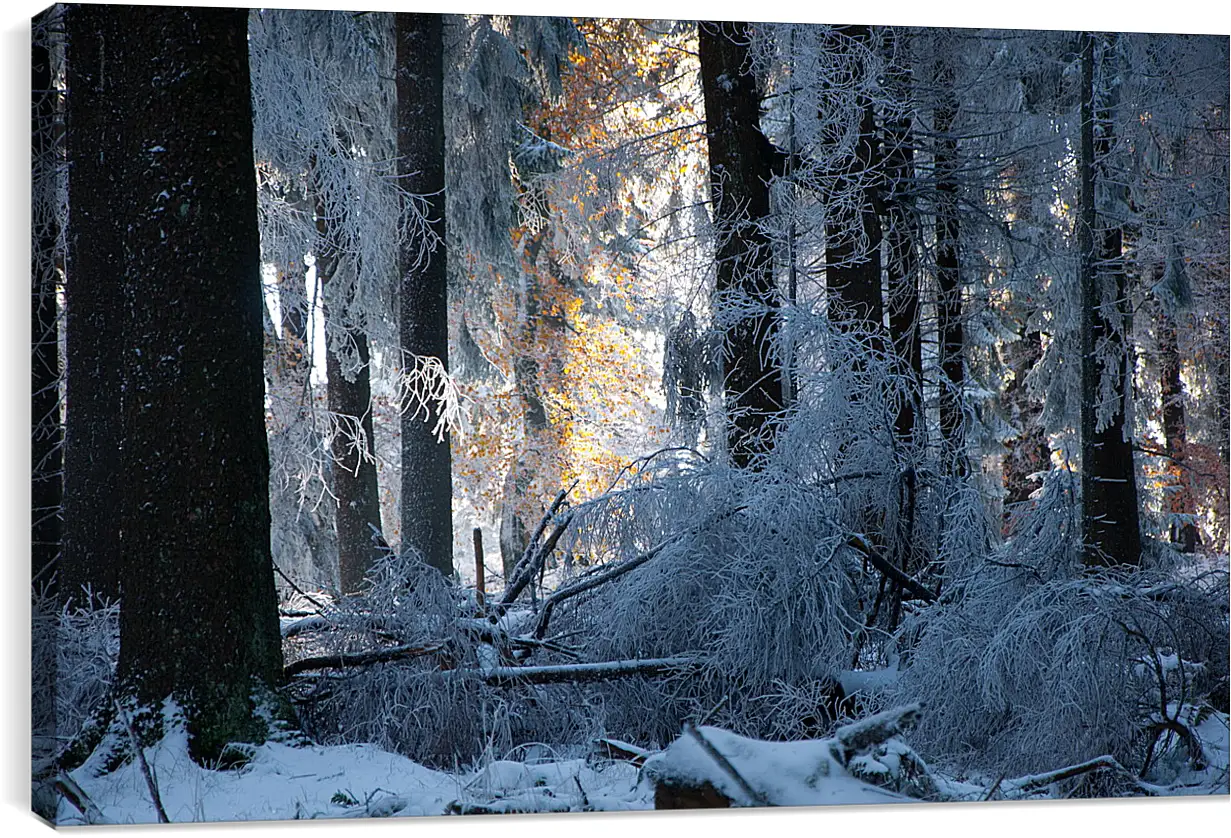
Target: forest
{"type": "Point", "coordinates": [442, 414]}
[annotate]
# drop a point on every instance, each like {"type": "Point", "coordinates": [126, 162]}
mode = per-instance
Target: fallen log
{"type": "Point", "coordinates": [75, 795]}
{"type": "Point", "coordinates": [614, 749]}
{"type": "Point", "coordinates": [342, 660]}
{"type": "Point", "coordinates": [1106, 762]}
{"type": "Point", "coordinates": [711, 767]}
{"type": "Point", "coordinates": [510, 676]}
{"type": "Point", "coordinates": [867, 733]}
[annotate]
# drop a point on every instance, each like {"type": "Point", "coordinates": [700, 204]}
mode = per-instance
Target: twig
{"type": "Point", "coordinates": [524, 573]}
{"type": "Point", "coordinates": [1101, 763]}
{"type": "Point", "coordinates": [708, 717]}
{"type": "Point", "coordinates": [755, 796]}
{"type": "Point", "coordinates": [297, 589]}
{"type": "Point", "coordinates": [594, 581]}
{"type": "Point", "coordinates": [146, 771]}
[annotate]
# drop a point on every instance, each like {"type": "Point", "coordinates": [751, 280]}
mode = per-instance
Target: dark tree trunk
{"type": "Point", "coordinates": [95, 298]}
{"type": "Point", "coordinates": [949, 279]}
{"type": "Point", "coordinates": [350, 400]}
{"type": "Point", "coordinates": [902, 297]}
{"type": "Point", "coordinates": [852, 232]}
{"type": "Point", "coordinates": [427, 479]}
{"type": "Point", "coordinates": [46, 430]}
{"type": "Point", "coordinates": [1110, 528]}
{"type": "Point", "coordinates": [1180, 500]}
{"type": "Point", "coordinates": [740, 162]}
{"type": "Point", "coordinates": [354, 464]}
{"type": "Point", "coordinates": [199, 620]}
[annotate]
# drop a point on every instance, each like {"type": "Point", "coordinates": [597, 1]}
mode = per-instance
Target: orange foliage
{"type": "Point", "coordinates": [559, 340]}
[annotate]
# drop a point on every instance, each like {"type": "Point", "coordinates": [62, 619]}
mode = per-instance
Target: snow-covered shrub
{"type": "Point", "coordinates": [81, 645]}
{"type": "Point", "coordinates": [1030, 662]}
{"type": "Point", "coordinates": [435, 708]}
{"type": "Point", "coordinates": [754, 580]}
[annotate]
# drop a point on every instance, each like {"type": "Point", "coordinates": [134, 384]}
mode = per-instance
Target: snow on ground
{"type": "Point", "coordinates": [804, 773]}
{"type": "Point", "coordinates": [283, 782]}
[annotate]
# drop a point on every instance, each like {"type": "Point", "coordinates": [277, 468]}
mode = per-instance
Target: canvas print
{"type": "Point", "coordinates": [445, 414]}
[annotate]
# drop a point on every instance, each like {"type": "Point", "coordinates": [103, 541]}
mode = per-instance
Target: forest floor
{"type": "Point", "coordinates": [285, 782]}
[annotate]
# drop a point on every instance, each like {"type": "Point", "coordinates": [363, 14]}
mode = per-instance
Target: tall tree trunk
{"type": "Point", "coordinates": [852, 231]}
{"type": "Point", "coordinates": [1180, 499]}
{"type": "Point", "coordinates": [949, 279]}
{"type": "Point", "coordinates": [1110, 527]}
{"type": "Point", "coordinates": [740, 163]}
{"type": "Point", "coordinates": [427, 479]}
{"type": "Point", "coordinates": [902, 297]}
{"type": "Point", "coordinates": [199, 621]}
{"type": "Point", "coordinates": [350, 401]}
{"type": "Point", "coordinates": [95, 298]}
{"type": "Point", "coordinates": [354, 463]}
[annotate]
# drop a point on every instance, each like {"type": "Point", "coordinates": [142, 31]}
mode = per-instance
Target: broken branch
{"type": "Point", "coordinates": [591, 582]}
{"type": "Point", "coordinates": [349, 659]}
{"type": "Point", "coordinates": [888, 569]}
{"type": "Point", "coordinates": [509, 676]}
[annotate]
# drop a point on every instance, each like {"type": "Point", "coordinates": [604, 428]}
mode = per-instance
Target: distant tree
{"type": "Point", "coordinates": [853, 232]}
{"type": "Point", "coordinates": [902, 274]}
{"type": "Point", "coordinates": [948, 274]}
{"type": "Point", "coordinates": [350, 402]}
{"type": "Point", "coordinates": [427, 479]}
{"type": "Point", "coordinates": [1111, 533]}
{"type": "Point", "coordinates": [173, 158]}
{"type": "Point", "coordinates": [741, 164]}
{"type": "Point", "coordinates": [325, 142]}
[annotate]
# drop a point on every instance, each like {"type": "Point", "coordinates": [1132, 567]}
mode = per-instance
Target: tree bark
{"type": "Point", "coordinates": [1110, 527]}
{"type": "Point", "coordinates": [1180, 499]}
{"type": "Point", "coordinates": [350, 400]}
{"type": "Point", "coordinates": [949, 279]}
{"type": "Point", "coordinates": [853, 234]}
{"type": "Point", "coordinates": [95, 298]}
{"type": "Point", "coordinates": [199, 620]}
{"type": "Point", "coordinates": [427, 480]}
{"type": "Point", "coordinates": [902, 297]}
{"type": "Point", "coordinates": [740, 163]}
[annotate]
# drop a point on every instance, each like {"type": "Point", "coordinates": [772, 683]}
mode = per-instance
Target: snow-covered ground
{"type": "Point", "coordinates": [283, 782]}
